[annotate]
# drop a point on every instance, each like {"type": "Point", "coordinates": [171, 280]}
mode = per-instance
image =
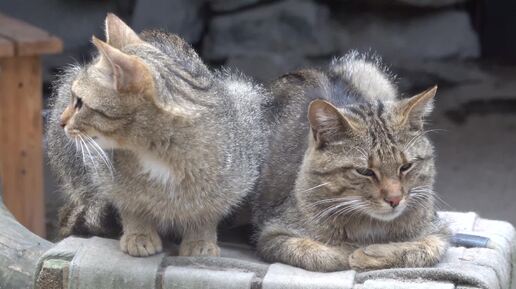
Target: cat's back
{"type": "Point", "coordinates": [287, 113]}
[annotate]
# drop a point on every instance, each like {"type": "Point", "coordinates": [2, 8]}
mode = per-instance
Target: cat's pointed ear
{"type": "Point", "coordinates": [126, 72]}
{"type": "Point", "coordinates": [413, 110]}
{"type": "Point", "coordinates": [327, 122]}
{"type": "Point", "coordinates": [119, 34]}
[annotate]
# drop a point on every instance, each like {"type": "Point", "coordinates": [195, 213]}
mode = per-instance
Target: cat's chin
{"type": "Point", "coordinates": [387, 216]}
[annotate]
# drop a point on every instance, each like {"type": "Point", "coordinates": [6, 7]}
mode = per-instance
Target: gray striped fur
{"type": "Point", "coordinates": [298, 217]}
{"type": "Point", "coordinates": [185, 157]}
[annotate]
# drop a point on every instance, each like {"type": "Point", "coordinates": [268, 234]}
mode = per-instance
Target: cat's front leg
{"type": "Point", "coordinates": [424, 252]}
{"type": "Point", "coordinates": [140, 237]}
{"type": "Point", "coordinates": [278, 244]}
{"type": "Point", "coordinates": [200, 241]}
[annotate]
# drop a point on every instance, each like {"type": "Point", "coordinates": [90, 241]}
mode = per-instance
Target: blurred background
{"type": "Point", "coordinates": [466, 47]}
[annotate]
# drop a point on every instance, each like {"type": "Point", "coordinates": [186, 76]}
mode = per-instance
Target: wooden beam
{"type": "Point", "coordinates": [21, 152]}
{"type": "Point", "coordinates": [28, 39]}
{"type": "Point", "coordinates": [6, 47]}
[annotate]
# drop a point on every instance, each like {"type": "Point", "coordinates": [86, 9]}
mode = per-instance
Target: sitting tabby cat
{"type": "Point", "coordinates": [185, 143]}
{"type": "Point", "coordinates": [351, 185]}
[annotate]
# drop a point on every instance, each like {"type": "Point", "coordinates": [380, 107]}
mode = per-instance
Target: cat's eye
{"type": "Point", "coordinates": [404, 168]}
{"type": "Point", "coordinates": [78, 103]}
{"type": "Point", "coordinates": [366, 172]}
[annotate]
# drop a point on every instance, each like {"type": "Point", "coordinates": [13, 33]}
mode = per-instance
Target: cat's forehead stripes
{"type": "Point", "coordinates": [384, 146]}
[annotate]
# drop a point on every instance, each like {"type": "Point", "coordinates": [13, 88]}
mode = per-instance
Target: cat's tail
{"type": "Point", "coordinates": [366, 75]}
{"type": "Point", "coordinates": [89, 217]}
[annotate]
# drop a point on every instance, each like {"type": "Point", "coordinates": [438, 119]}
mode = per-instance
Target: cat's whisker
{"type": "Point", "coordinates": [432, 193]}
{"type": "Point", "coordinates": [82, 153]}
{"type": "Point", "coordinates": [350, 206]}
{"type": "Point", "coordinates": [440, 200]}
{"type": "Point", "coordinates": [419, 199]}
{"type": "Point", "coordinates": [419, 135]}
{"type": "Point", "coordinates": [76, 145]}
{"type": "Point", "coordinates": [351, 211]}
{"type": "Point", "coordinates": [315, 187]}
{"type": "Point", "coordinates": [333, 200]}
{"type": "Point", "coordinates": [89, 154]}
{"type": "Point", "coordinates": [101, 153]}
{"type": "Point", "coordinates": [361, 151]}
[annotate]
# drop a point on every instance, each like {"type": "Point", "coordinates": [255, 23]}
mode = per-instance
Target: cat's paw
{"type": "Point", "coordinates": [141, 244]}
{"type": "Point", "coordinates": [372, 257]}
{"type": "Point", "coordinates": [199, 248]}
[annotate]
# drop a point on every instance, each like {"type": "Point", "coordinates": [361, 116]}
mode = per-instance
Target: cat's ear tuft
{"type": "Point", "coordinates": [126, 72]}
{"type": "Point", "coordinates": [327, 122]}
{"type": "Point", "coordinates": [119, 34]}
{"type": "Point", "coordinates": [413, 110]}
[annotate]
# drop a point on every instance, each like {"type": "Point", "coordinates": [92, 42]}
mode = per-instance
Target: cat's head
{"type": "Point", "coordinates": [368, 159]}
{"type": "Point", "coordinates": [111, 98]}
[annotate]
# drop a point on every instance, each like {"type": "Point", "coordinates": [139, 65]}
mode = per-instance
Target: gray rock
{"type": "Point", "coordinates": [265, 67]}
{"type": "Point", "coordinates": [299, 27]}
{"type": "Point", "coordinates": [431, 3]}
{"type": "Point", "coordinates": [230, 5]}
{"type": "Point", "coordinates": [439, 35]}
{"type": "Point", "coordinates": [182, 17]}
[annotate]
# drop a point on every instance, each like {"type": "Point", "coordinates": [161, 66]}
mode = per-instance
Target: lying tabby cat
{"type": "Point", "coordinates": [186, 142]}
{"type": "Point", "coordinates": [351, 185]}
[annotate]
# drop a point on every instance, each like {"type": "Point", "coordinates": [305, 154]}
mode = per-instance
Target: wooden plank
{"type": "Point", "coordinates": [21, 142]}
{"type": "Point", "coordinates": [28, 39]}
{"type": "Point", "coordinates": [6, 47]}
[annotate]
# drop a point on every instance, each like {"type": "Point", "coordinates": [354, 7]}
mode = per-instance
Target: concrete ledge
{"type": "Point", "coordinates": [97, 263]}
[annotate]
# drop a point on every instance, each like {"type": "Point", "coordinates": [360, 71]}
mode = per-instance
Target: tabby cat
{"type": "Point", "coordinates": [348, 182]}
{"type": "Point", "coordinates": [147, 137]}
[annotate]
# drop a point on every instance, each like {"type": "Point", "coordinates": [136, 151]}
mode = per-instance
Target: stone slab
{"type": "Point", "coordinates": [281, 276]}
{"type": "Point", "coordinates": [198, 278]}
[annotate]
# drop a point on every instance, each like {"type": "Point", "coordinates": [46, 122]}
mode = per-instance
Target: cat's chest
{"type": "Point", "coordinates": [157, 171]}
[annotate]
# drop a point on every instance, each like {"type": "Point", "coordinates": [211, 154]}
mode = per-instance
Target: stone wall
{"type": "Point", "coordinates": [266, 38]}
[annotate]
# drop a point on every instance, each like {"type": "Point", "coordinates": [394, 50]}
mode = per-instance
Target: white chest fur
{"type": "Point", "coordinates": [156, 169]}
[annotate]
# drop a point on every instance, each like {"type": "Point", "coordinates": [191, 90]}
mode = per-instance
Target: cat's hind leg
{"type": "Point", "coordinates": [277, 245]}
{"type": "Point", "coordinates": [424, 252]}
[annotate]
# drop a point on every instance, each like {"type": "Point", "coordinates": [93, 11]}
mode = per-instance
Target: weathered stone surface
{"type": "Point", "coordinates": [185, 277]}
{"type": "Point", "coordinates": [439, 35]}
{"type": "Point", "coordinates": [282, 276]}
{"type": "Point", "coordinates": [101, 264]}
{"type": "Point", "coordinates": [19, 252]}
{"type": "Point", "coordinates": [286, 27]}
{"type": "Point", "coordinates": [183, 17]}
{"type": "Point", "coordinates": [98, 263]}
{"type": "Point", "coordinates": [396, 284]}
{"type": "Point", "coordinates": [53, 275]}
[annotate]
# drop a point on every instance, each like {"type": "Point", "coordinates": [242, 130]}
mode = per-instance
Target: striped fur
{"type": "Point", "coordinates": [183, 145]}
{"type": "Point", "coordinates": [314, 206]}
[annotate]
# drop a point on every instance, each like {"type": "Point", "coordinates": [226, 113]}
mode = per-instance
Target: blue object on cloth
{"type": "Point", "coordinates": [469, 241]}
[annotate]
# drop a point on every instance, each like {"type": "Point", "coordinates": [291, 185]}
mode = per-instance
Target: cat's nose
{"type": "Point", "coordinates": [62, 123]}
{"type": "Point", "coordinates": [393, 201]}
